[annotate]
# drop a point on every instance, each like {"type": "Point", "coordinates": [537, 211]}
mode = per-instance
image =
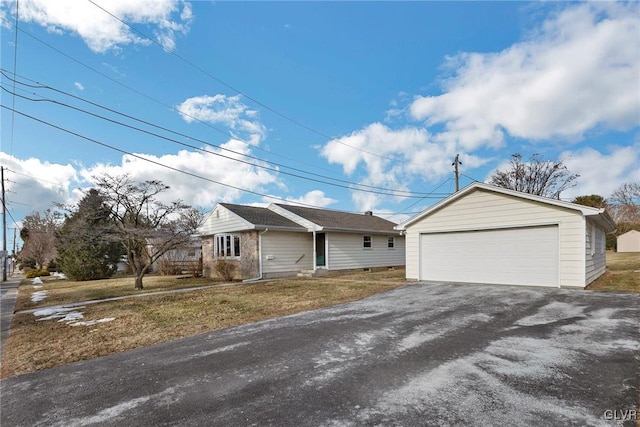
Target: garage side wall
{"type": "Point", "coordinates": [595, 252]}
{"type": "Point", "coordinates": [487, 210]}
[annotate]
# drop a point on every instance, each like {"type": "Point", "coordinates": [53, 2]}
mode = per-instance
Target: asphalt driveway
{"type": "Point", "coordinates": [423, 354]}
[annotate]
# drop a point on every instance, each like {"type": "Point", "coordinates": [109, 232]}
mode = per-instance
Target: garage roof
{"type": "Point", "coordinates": [598, 215]}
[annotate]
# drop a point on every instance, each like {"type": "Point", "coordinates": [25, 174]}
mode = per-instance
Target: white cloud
{"type": "Point", "coordinates": [191, 189]}
{"type": "Point", "coordinates": [78, 86]}
{"type": "Point", "coordinates": [41, 185]}
{"type": "Point", "coordinates": [315, 198]}
{"type": "Point", "coordinates": [34, 185]}
{"type": "Point", "coordinates": [226, 110]}
{"type": "Point", "coordinates": [401, 155]}
{"type": "Point", "coordinates": [102, 32]}
{"type": "Point", "coordinates": [578, 72]}
{"type": "Point", "coordinates": [602, 173]}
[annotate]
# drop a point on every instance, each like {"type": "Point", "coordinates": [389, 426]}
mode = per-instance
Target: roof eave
{"type": "Point", "coordinates": [359, 231]}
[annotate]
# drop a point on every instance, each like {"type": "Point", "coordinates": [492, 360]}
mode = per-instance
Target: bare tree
{"type": "Point", "coordinates": [38, 234]}
{"type": "Point", "coordinates": [625, 202]}
{"type": "Point", "coordinates": [146, 227]}
{"type": "Point", "coordinates": [537, 176]}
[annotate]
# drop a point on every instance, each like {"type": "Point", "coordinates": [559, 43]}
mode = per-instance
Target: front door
{"type": "Point", "coordinates": [320, 255]}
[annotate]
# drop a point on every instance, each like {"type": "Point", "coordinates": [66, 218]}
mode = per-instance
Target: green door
{"type": "Point", "coordinates": [320, 255]}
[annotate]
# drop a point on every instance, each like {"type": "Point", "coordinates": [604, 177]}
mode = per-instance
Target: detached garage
{"type": "Point", "coordinates": [488, 234]}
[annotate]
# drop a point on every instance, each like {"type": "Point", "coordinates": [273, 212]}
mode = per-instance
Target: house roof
{"type": "Point", "coordinates": [599, 215]}
{"type": "Point", "coordinates": [262, 217]}
{"type": "Point", "coordinates": [341, 221]}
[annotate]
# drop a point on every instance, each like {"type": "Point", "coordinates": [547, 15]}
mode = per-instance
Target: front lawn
{"type": "Point", "coordinates": [623, 273]}
{"type": "Point", "coordinates": [59, 292]}
{"type": "Point", "coordinates": [51, 338]}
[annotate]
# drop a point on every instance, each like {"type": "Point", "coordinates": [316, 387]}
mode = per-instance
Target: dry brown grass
{"type": "Point", "coordinates": [61, 292]}
{"type": "Point", "coordinates": [35, 345]}
{"type": "Point", "coordinates": [623, 273]}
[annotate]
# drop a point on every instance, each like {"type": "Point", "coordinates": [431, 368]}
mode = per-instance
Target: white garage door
{"type": "Point", "coordinates": [513, 256]}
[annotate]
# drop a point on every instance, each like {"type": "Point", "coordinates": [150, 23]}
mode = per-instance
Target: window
{"type": "Point", "coordinates": [227, 245]}
{"type": "Point", "coordinates": [366, 242]}
{"type": "Point", "coordinates": [391, 242]}
{"type": "Point", "coordinates": [593, 239]}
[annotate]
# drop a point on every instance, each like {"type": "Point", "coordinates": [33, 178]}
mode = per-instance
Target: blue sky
{"type": "Point", "coordinates": [324, 96]}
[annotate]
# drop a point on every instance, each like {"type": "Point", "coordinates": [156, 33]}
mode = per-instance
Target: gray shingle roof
{"type": "Point", "coordinates": [261, 216]}
{"type": "Point", "coordinates": [336, 220]}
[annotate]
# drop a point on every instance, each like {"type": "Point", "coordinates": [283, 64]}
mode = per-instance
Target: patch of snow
{"type": "Point", "coordinates": [551, 313]}
{"type": "Point", "coordinates": [117, 414]}
{"type": "Point", "coordinates": [72, 317]}
{"type": "Point", "coordinates": [36, 281]}
{"type": "Point", "coordinates": [93, 322]}
{"type": "Point", "coordinates": [69, 316]}
{"type": "Point", "coordinates": [51, 311]}
{"type": "Point", "coordinates": [38, 296]}
{"type": "Point", "coordinates": [416, 339]}
{"type": "Point", "coordinates": [341, 355]}
{"type": "Point", "coordinates": [59, 275]}
{"type": "Point", "coordinates": [221, 349]}
{"type": "Point", "coordinates": [37, 286]}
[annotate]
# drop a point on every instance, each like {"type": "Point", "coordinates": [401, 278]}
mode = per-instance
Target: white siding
{"type": "Point", "coordinates": [629, 241]}
{"type": "Point", "coordinates": [221, 220]}
{"type": "Point", "coordinates": [483, 209]}
{"type": "Point", "coordinates": [281, 250]}
{"type": "Point", "coordinates": [595, 255]}
{"type": "Point", "coordinates": [346, 251]}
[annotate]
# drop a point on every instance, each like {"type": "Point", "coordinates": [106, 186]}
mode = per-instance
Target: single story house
{"type": "Point", "coordinates": [629, 241]}
{"type": "Point", "coordinates": [489, 234]}
{"type": "Point", "coordinates": [283, 240]}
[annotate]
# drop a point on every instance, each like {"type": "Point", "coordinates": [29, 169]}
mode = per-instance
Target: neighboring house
{"type": "Point", "coordinates": [186, 258]}
{"type": "Point", "coordinates": [488, 234]}
{"type": "Point", "coordinates": [174, 261]}
{"type": "Point", "coordinates": [283, 240]}
{"type": "Point", "coordinates": [629, 241]}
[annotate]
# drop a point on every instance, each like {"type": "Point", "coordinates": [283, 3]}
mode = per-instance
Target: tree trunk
{"type": "Point", "coordinates": [139, 280]}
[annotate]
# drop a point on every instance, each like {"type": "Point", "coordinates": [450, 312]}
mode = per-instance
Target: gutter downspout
{"type": "Point", "coordinates": [255, 279]}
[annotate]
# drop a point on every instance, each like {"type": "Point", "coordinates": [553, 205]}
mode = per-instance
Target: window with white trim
{"type": "Point", "coordinates": [227, 246]}
{"type": "Point", "coordinates": [366, 242]}
{"type": "Point", "coordinates": [391, 242]}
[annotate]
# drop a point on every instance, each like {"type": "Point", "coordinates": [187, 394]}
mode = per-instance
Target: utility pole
{"type": "Point", "coordinates": [4, 228]}
{"type": "Point", "coordinates": [456, 163]}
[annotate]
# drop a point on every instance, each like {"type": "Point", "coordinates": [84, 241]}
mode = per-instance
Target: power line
{"type": "Point", "coordinates": [36, 178]}
{"type": "Point", "coordinates": [418, 201]}
{"type": "Point", "coordinates": [152, 161]}
{"type": "Point", "coordinates": [352, 185]}
{"type": "Point", "coordinates": [171, 107]}
{"type": "Point", "coordinates": [238, 91]}
{"type": "Point", "coordinates": [164, 165]}
{"type": "Point", "coordinates": [142, 94]}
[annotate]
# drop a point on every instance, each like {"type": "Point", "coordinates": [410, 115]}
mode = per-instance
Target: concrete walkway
{"type": "Point", "coordinates": [8, 295]}
{"type": "Point", "coordinates": [141, 295]}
